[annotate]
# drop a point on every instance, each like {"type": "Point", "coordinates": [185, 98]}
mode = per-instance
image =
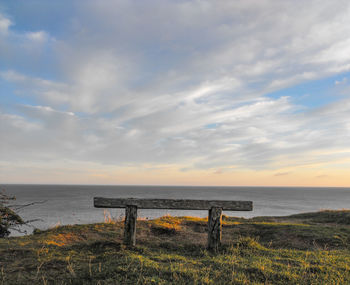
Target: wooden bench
{"type": "Point", "coordinates": [215, 208]}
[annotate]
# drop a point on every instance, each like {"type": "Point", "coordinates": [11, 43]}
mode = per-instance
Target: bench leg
{"type": "Point", "coordinates": [130, 225]}
{"type": "Point", "coordinates": [214, 228]}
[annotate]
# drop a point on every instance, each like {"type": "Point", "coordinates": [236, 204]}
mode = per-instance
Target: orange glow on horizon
{"type": "Point", "coordinates": [311, 175]}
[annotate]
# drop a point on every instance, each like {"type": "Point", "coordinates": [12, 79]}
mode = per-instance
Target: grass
{"type": "Point", "coordinates": [312, 248]}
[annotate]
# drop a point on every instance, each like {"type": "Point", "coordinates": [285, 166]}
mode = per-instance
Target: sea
{"type": "Point", "coordinates": [73, 204]}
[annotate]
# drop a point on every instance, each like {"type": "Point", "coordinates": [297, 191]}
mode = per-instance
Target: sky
{"type": "Point", "coordinates": [158, 92]}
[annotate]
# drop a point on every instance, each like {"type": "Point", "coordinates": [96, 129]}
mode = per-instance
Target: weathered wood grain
{"type": "Point", "coordinates": [181, 204]}
{"type": "Point", "coordinates": [130, 225]}
{"type": "Point", "coordinates": [214, 229]}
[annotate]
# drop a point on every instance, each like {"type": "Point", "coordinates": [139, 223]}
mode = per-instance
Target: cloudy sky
{"type": "Point", "coordinates": [249, 92]}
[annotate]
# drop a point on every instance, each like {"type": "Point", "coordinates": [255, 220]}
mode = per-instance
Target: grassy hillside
{"type": "Point", "coordinates": [311, 248]}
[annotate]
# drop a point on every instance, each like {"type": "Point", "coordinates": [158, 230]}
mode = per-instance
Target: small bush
{"type": "Point", "coordinates": [8, 218]}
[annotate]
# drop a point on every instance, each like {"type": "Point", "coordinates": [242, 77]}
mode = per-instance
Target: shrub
{"type": "Point", "coordinates": [8, 217]}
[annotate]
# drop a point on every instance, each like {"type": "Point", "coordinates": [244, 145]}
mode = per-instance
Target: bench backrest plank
{"type": "Point", "coordinates": [180, 204]}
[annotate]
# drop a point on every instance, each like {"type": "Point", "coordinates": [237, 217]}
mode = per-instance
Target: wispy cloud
{"type": "Point", "coordinates": [281, 174]}
{"type": "Point", "coordinates": [322, 176]}
{"type": "Point", "coordinates": [181, 83]}
{"type": "Point", "coordinates": [5, 23]}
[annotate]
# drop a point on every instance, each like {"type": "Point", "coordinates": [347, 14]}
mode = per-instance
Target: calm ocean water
{"type": "Point", "coordinates": [73, 204]}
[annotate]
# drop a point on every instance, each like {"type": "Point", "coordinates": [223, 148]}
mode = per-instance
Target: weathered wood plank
{"type": "Point", "coordinates": [214, 229]}
{"type": "Point", "coordinates": [181, 204]}
{"type": "Point", "coordinates": [130, 225]}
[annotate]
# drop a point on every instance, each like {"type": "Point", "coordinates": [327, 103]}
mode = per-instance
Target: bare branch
{"type": "Point", "coordinates": [20, 207]}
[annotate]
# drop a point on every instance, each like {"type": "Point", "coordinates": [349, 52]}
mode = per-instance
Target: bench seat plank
{"type": "Point", "coordinates": [179, 204]}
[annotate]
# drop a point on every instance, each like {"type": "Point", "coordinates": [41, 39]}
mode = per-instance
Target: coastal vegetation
{"type": "Point", "coordinates": [9, 219]}
{"type": "Point", "coordinates": [311, 248]}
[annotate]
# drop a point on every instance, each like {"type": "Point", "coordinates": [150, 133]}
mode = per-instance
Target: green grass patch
{"type": "Point", "coordinates": [299, 249]}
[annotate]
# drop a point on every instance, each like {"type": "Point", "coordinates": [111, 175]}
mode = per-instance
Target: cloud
{"type": "Point", "coordinates": [178, 82]}
{"type": "Point", "coordinates": [5, 23]}
{"type": "Point", "coordinates": [40, 36]}
{"type": "Point", "coordinates": [341, 82]}
{"type": "Point", "coordinates": [281, 174]}
{"type": "Point", "coordinates": [23, 50]}
{"type": "Point", "coordinates": [322, 176]}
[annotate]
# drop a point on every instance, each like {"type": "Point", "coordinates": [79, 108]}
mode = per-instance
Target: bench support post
{"type": "Point", "coordinates": [130, 225]}
{"type": "Point", "coordinates": [214, 228]}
